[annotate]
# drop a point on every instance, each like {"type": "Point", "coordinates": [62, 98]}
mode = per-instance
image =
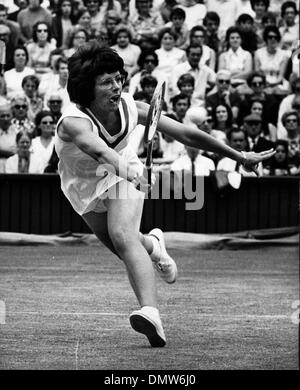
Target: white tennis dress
{"type": "Point", "coordinates": [84, 181]}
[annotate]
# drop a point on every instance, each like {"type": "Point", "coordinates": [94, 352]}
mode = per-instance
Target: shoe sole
{"type": "Point", "coordinates": [142, 325]}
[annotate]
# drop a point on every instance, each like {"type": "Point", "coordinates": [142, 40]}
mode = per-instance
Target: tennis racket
{"type": "Point", "coordinates": [2, 57]}
{"type": "Point", "coordinates": [152, 119]}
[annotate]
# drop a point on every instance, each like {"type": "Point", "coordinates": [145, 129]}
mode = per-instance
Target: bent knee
{"type": "Point", "coordinates": [123, 239]}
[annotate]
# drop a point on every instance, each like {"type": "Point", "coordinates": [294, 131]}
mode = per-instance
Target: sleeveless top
{"type": "Point", "coordinates": [83, 179]}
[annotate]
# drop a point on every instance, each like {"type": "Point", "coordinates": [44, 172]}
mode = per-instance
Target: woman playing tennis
{"type": "Point", "coordinates": [100, 173]}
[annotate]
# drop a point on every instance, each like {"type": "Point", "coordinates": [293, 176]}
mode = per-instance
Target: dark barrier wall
{"type": "Point", "coordinates": [35, 204]}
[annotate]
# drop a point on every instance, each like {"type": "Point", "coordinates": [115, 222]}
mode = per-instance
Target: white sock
{"type": "Point", "coordinates": [151, 311]}
{"type": "Point", "coordinates": [155, 254]}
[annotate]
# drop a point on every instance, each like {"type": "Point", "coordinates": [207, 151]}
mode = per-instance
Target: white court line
{"type": "Point", "coordinates": [208, 315]}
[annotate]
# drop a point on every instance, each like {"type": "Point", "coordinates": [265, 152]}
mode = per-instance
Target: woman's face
{"type": "Point", "coordinates": [42, 32]}
{"type": "Point", "coordinates": [167, 41]}
{"type": "Point", "coordinates": [30, 88]}
{"type": "Point", "coordinates": [79, 39]}
{"type": "Point", "coordinates": [47, 126]}
{"type": "Point", "coordinates": [235, 40]}
{"type": "Point", "coordinates": [289, 16]}
{"type": "Point", "coordinates": [257, 108]}
{"type": "Point", "coordinates": [149, 63]}
{"type": "Point", "coordinates": [66, 8]}
{"type": "Point", "coordinates": [221, 114]}
{"type": "Point", "coordinates": [85, 19]}
{"type": "Point", "coordinates": [280, 154]}
{"type": "Point", "coordinates": [123, 39]}
{"type": "Point", "coordinates": [187, 89]}
{"type": "Point", "coordinates": [23, 145]}
{"type": "Point", "coordinates": [107, 91]}
{"type": "Point", "coordinates": [20, 58]}
{"type": "Point", "coordinates": [259, 8]}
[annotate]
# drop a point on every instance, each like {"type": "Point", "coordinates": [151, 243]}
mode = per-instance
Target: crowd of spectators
{"type": "Point", "coordinates": [231, 68]}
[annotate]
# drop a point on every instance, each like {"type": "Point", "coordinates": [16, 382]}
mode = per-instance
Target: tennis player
{"type": "Point", "coordinates": [97, 167]}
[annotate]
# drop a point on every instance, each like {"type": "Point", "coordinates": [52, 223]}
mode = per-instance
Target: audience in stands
{"type": "Point", "coordinates": [7, 133]}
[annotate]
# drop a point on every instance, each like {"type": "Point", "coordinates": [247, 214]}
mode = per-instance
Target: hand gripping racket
{"type": "Point", "coordinates": [2, 57]}
{"type": "Point", "coordinates": [152, 119]}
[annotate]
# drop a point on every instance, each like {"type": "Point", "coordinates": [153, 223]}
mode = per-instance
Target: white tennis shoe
{"type": "Point", "coordinates": [149, 325]}
{"type": "Point", "coordinates": [163, 263]}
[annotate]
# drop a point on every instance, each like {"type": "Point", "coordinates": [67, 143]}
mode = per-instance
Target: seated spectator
{"type": "Point", "coordinates": [7, 133]}
{"type": "Point", "coordinates": [180, 105]}
{"type": "Point", "coordinates": [13, 77]}
{"type": "Point", "coordinates": [237, 139]}
{"type": "Point", "coordinates": [148, 85]}
{"type": "Point", "coordinates": [124, 13]}
{"type": "Point", "coordinates": [197, 36]}
{"type": "Point", "coordinates": [40, 49]}
{"type": "Point", "coordinates": [194, 12]}
{"type": "Point", "coordinates": [222, 118]}
{"type": "Point", "coordinates": [43, 143]}
{"type": "Point", "coordinates": [212, 22]}
{"type": "Point", "coordinates": [245, 23]}
{"type": "Point", "coordinates": [227, 11]}
{"type": "Point", "coordinates": [14, 27]}
{"type": "Point", "coordinates": [111, 23]}
{"type": "Point", "coordinates": [19, 6]}
{"type": "Point", "coordinates": [83, 21]}
{"type": "Point", "coordinates": [127, 50]}
{"type": "Point", "coordinates": [269, 130]}
{"type": "Point", "coordinates": [272, 61]}
{"type": "Point", "coordinates": [168, 55]}
{"type": "Point", "coordinates": [77, 38]}
{"type": "Point", "coordinates": [54, 104]}
{"type": "Point", "coordinates": [166, 9]}
{"type": "Point", "coordinates": [223, 94]}
{"type": "Point", "coordinates": [178, 26]}
{"type": "Point", "coordinates": [146, 23]}
{"type": "Point", "coordinates": [147, 62]}
{"type": "Point", "coordinates": [63, 22]}
{"type": "Point", "coordinates": [290, 29]}
{"type": "Point", "coordinates": [186, 85]}
{"type": "Point", "coordinates": [256, 142]}
{"type": "Point", "coordinates": [260, 7]}
{"type": "Point", "coordinates": [29, 16]}
{"type": "Point", "coordinates": [278, 165]}
{"type": "Point", "coordinates": [96, 13]}
{"type": "Point", "coordinates": [20, 120]}
{"type": "Point", "coordinates": [291, 122]}
{"type": "Point", "coordinates": [193, 161]}
{"type": "Point", "coordinates": [24, 161]}
{"type": "Point", "coordinates": [58, 85]}
{"type": "Point", "coordinates": [235, 59]}
{"type": "Point", "coordinates": [30, 85]}
{"type": "Point", "coordinates": [268, 19]}
{"type": "Point", "coordinates": [204, 76]}
{"type": "Point", "coordinates": [4, 36]}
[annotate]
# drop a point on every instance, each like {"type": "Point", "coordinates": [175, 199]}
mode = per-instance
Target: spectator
{"type": "Point", "coordinates": [146, 23]}
{"type": "Point", "coordinates": [7, 133]}
{"type": "Point", "coordinates": [278, 165]}
{"type": "Point", "coordinates": [194, 12]}
{"type": "Point", "coordinates": [290, 29]}
{"type": "Point", "coordinates": [186, 85]}
{"type": "Point", "coordinates": [257, 108]}
{"type": "Point", "coordinates": [20, 4]}
{"type": "Point", "coordinates": [148, 85]}
{"type": "Point", "coordinates": [30, 85]}
{"type": "Point", "coordinates": [272, 60]}
{"type": "Point", "coordinates": [227, 11]}
{"type": "Point", "coordinates": [255, 139]}
{"type": "Point", "coordinates": [24, 161]}
{"type": "Point", "coordinates": [43, 144]}
{"type": "Point", "coordinates": [222, 94]}
{"type": "Point", "coordinates": [55, 105]}
{"type": "Point", "coordinates": [291, 122]}
{"type": "Point", "coordinates": [286, 105]}
{"type": "Point", "coordinates": [83, 21]}
{"type": "Point", "coordinates": [4, 36]}
{"type": "Point", "coordinates": [58, 85]}
{"type": "Point", "coordinates": [147, 62]}
{"type": "Point", "coordinates": [39, 51]}
{"type": "Point", "coordinates": [157, 151]}
{"type": "Point", "coordinates": [166, 9]}
{"type": "Point", "coordinates": [197, 36]}
{"type": "Point", "coordinates": [222, 117]}
{"type": "Point", "coordinates": [268, 19]}
{"type": "Point", "coordinates": [96, 14]}
{"type": "Point", "coordinates": [13, 77]}
{"type": "Point", "coordinates": [77, 38]}
{"type": "Point", "coordinates": [124, 13]}
{"type": "Point", "coordinates": [29, 16]}
{"type": "Point", "coordinates": [237, 139]}
{"type": "Point", "coordinates": [20, 120]}
{"type": "Point", "coordinates": [245, 23]}
{"type": "Point", "coordinates": [180, 104]}
{"type": "Point", "coordinates": [212, 22]}
{"type": "Point", "coordinates": [168, 55]}
{"type": "Point", "coordinates": [260, 7]}
{"type": "Point", "coordinates": [14, 35]}
{"type": "Point", "coordinates": [63, 22]}
{"type": "Point", "coordinates": [204, 76]}
{"type": "Point", "coordinates": [237, 60]}
{"type": "Point", "coordinates": [111, 22]}
{"type": "Point", "coordinates": [127, 50]}
{"type": "Point", "coordinates": [178, 26]}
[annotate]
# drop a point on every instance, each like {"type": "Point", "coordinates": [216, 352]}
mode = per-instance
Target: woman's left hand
{"type": "Point", "coordinates": [252, 159]}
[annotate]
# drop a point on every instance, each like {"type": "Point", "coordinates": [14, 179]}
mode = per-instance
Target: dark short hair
{"type": "Point", "coordinates": [186, 78]}
{"type": "Point", "coordinates": [229, 113]}
{"type": "Point", "coordinates": [211, 15]}
{"type": "Point", "coordinates": [266, 3]}
{"type": "Point", "coordinates": [146, 53]}
{"type": "Point", "coordinates": [231, 30]}
{"type": "Point", "coordinates": [35, 28]}
{"type": "Point", "coordinates": [197, 28]}
{"type": "Point", "coordinates": [39, 117]}
{"type": "Point", "coordinates": [288, 4]}
{"type": "Point", "coordinates": [178, 97]}
{"type": "Point", "coordinates": [21, 47]}
{"type": "Point", "coordinates": [273, 29]}
{"type": "Point", "coordinates": [256, 74]}
{"type": "Point", "coordinates": [167, 30]}
{"type": "Point", "coordinates": [193, 46]}
{"type": "Point", "coordinates": [268, 15]}
{"type": "Point", "coordinates": [243, 18]}
{"type": "Point", "coordinates": [147, 81]}
{"type": "Point", "coordinates": [32, 78]}
{"type": "Point", "coordinates": [60, 60]}
{"type": "Point", "coordinates": [179, 12]}
{"type": "Point", "coordinates": [234, 130]}
{"type": "Point", "coordinates": [89, 61]}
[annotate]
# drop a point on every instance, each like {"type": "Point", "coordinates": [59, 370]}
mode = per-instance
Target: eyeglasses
{"type": "Point", "coordinates": [47, 123]}
{"type": "Point", "coordinates": [272, 37]}
{"type": "Point", "coordinates": [109, 82]}
{"type": "Point", "coordinates": [5, 116]}
{"type": "Point", "coordinates": [291, 121]}
{"type": "Point", "coordinates": [55, 101]}
{"type": "Point", "coordinates": [257, 84]}
{"type": "Point", "coordinates": [19, 106]}
{"type": "Point", "coordinates": [45, 30]}
{"type": "Point", "coordinates": [224, 81]}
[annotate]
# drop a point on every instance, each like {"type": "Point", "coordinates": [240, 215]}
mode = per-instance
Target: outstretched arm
{"type": "Point", "coordinates": [201, 140]}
